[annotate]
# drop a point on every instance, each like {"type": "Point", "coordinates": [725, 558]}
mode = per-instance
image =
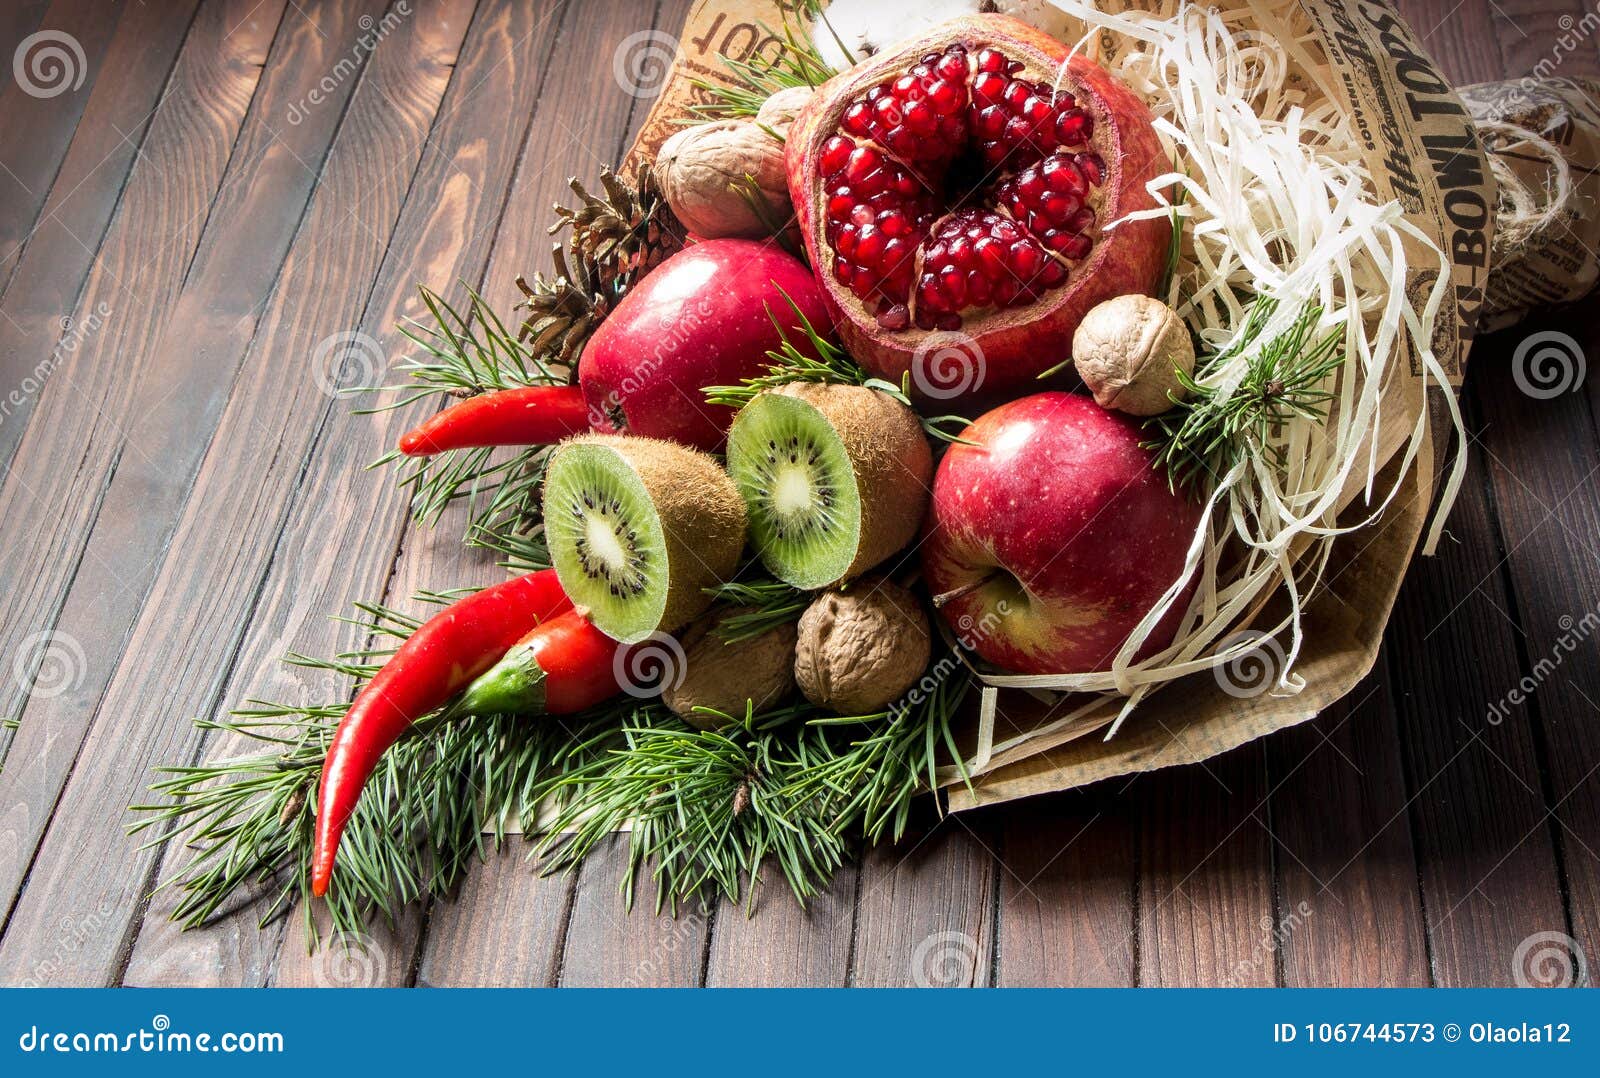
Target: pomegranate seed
{"type": "Point", "coordinates": [894, 316]}
{"type": "Point", "coordinates": [1074, 127]}
{"type": "Point", "coordinates": [879, 211]}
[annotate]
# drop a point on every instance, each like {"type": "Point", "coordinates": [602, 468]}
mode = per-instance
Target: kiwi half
{"type": "Point", "coordinates": [836, 479]}
{"type": "Point", "coordinates": [638, 528]}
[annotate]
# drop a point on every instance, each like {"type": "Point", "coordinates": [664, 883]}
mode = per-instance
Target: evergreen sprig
{"type": "Point", "coordinates": [706, 809]}
{"type": "Point", "coordinates": [823, 362]}
{"type": "Point", "coordinates": [752, 81]}
{"type": "Point", "coordinates": [763, 605]}
{"type": "Point", "coordinates": [1288, 377]}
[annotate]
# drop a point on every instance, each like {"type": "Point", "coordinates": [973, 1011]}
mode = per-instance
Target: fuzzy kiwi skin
{"type": "Point", "coordinates": [702, 517]}
{"type": "Point", "coordinates": [893, 463]}
{"type": "Point", "coordinates": [725, 677]}
{"type": "Point", "coordinates": [857, 651]}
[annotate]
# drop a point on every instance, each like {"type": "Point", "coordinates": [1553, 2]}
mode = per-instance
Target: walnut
{"type": "Point", "coordinates": [725, 677]}
{"type": "Point", "coordinates": [1128, 350]}
{"type": "Point", "coordinates": [705, 174]}
{"type": "Point", "coordinates": [859, 650]}
{"type": "Point", "coordinates": [780, 110]}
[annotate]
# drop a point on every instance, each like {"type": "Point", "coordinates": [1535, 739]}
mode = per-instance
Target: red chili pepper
{"type": "Point", "coordinates": [443, 656]}
{"type": "Point", "coordinates": [561, 667]}
{"type": "Point", "coordinates": [532, 415]}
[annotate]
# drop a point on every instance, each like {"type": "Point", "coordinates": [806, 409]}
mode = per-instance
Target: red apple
{"type": "Point", "coordinates": [701, 318]}
{"type": "Point", "coordinates": [1053, 536]}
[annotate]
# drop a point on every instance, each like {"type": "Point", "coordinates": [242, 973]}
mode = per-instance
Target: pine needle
{"type": "Point", "coordinates": [751, 82]}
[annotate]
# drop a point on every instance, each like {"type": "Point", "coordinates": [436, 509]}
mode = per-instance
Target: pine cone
{"type": "Point", "coordinates": [614, 241]}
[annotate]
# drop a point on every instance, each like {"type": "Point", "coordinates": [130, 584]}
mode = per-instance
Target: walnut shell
{"type": "Point", "coordinates": [726, 676]}
{"type": "Point", "coordinates": [860, 650]}
{"type": "Point", "coordinates": [779, 110]}
{"type": "Point", "coordinates": [1127, 351]}
{"type": "Point", "coordinates": [702, 174]}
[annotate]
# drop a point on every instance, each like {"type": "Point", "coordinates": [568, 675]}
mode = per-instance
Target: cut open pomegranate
{"type": "Point", "coordinates": [963, 185]}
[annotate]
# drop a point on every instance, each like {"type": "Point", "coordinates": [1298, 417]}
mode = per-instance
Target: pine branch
{"type": "Point", "coordinates": [798, 63]}
{"type": "Point", "coordinates": [1288, 377]}
{"type": "Point", "coordinates": [763, 603]}
{"type": "Point", "coordinates": [827, 363]}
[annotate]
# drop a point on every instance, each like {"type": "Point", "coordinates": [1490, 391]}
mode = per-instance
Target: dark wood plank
{"type": "Point", "coordinates": [64, 236]}
{"type": "Point", "coordinates": [582, 123]}
{"type": "Point", "coordinates": [610, 946]}
{"type": "Point", "coordinates": [1484, 851]}
{"type": "Point", "coordinates": [1067, 891]}
{"type": "Point", "coordinates": [339, 543]}
{"type": "Point", "coordinates": [1542, 458]}
{"type": "Point", "coordinates": [201, 601]}
{"type": "Point", "coordinates": [782, 944]}
{"type": "Point", "coordinates": [925, 910]}
{"type": "Point", "coordinates": [1349, 911]}
{"type": "Point", "coordinates": [1205, 874]}
{"type": "Point", "coordinates": [48, 504]}
{"type": "Point", "coordinates": [198, 333]}
{"type": "Point", "coordinates": [42, 109]}
{"type": "Point", "coordinates": [503, 928]}
{"type": "Point", "coordinates": [341, 536]}
{"type": "Point", "coordinates": [17, 20]}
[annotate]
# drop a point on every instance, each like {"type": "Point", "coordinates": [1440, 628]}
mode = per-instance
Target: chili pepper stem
{"type": "Point", "coordinates": [513, 686]}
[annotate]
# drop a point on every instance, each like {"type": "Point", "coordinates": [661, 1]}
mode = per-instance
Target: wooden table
{"type": "Point", "coordinates": [231, 185]}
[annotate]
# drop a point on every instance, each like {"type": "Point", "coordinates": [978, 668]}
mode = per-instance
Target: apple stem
{"type": "Point", "coordinates": [966, 589]}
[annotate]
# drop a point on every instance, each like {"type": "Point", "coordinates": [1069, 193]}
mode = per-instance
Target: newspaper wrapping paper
{"type": "Point", "coordinates": [1422, 148]}
{"type": "Point", "coordinates": [1543, 140]}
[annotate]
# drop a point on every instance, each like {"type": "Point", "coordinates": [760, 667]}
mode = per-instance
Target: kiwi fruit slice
{"type": "Point", "coordinates": [638, 528]}
{"type": "Point", "coordinates": [836, 479]}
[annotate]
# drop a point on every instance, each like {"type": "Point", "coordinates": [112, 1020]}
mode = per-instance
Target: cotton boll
{"type": "Point", "coordinates": [870, 26]}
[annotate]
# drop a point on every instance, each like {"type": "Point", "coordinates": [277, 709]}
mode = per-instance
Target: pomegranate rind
{"type": "Point", "coordinates": [1010, 346]}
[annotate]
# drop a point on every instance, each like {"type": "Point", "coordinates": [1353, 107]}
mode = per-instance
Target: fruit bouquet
{"type": "Point", "coordinates": [931, 389]}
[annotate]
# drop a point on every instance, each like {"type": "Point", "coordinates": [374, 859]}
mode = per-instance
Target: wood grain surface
{"type": "Point", "coordinates": [216, 229]}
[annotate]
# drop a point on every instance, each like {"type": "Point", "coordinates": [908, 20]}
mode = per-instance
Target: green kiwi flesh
{"type": "Point", "coordinates": [799, 484]}
{"type": "Point", "coordinates": [606, 540]}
